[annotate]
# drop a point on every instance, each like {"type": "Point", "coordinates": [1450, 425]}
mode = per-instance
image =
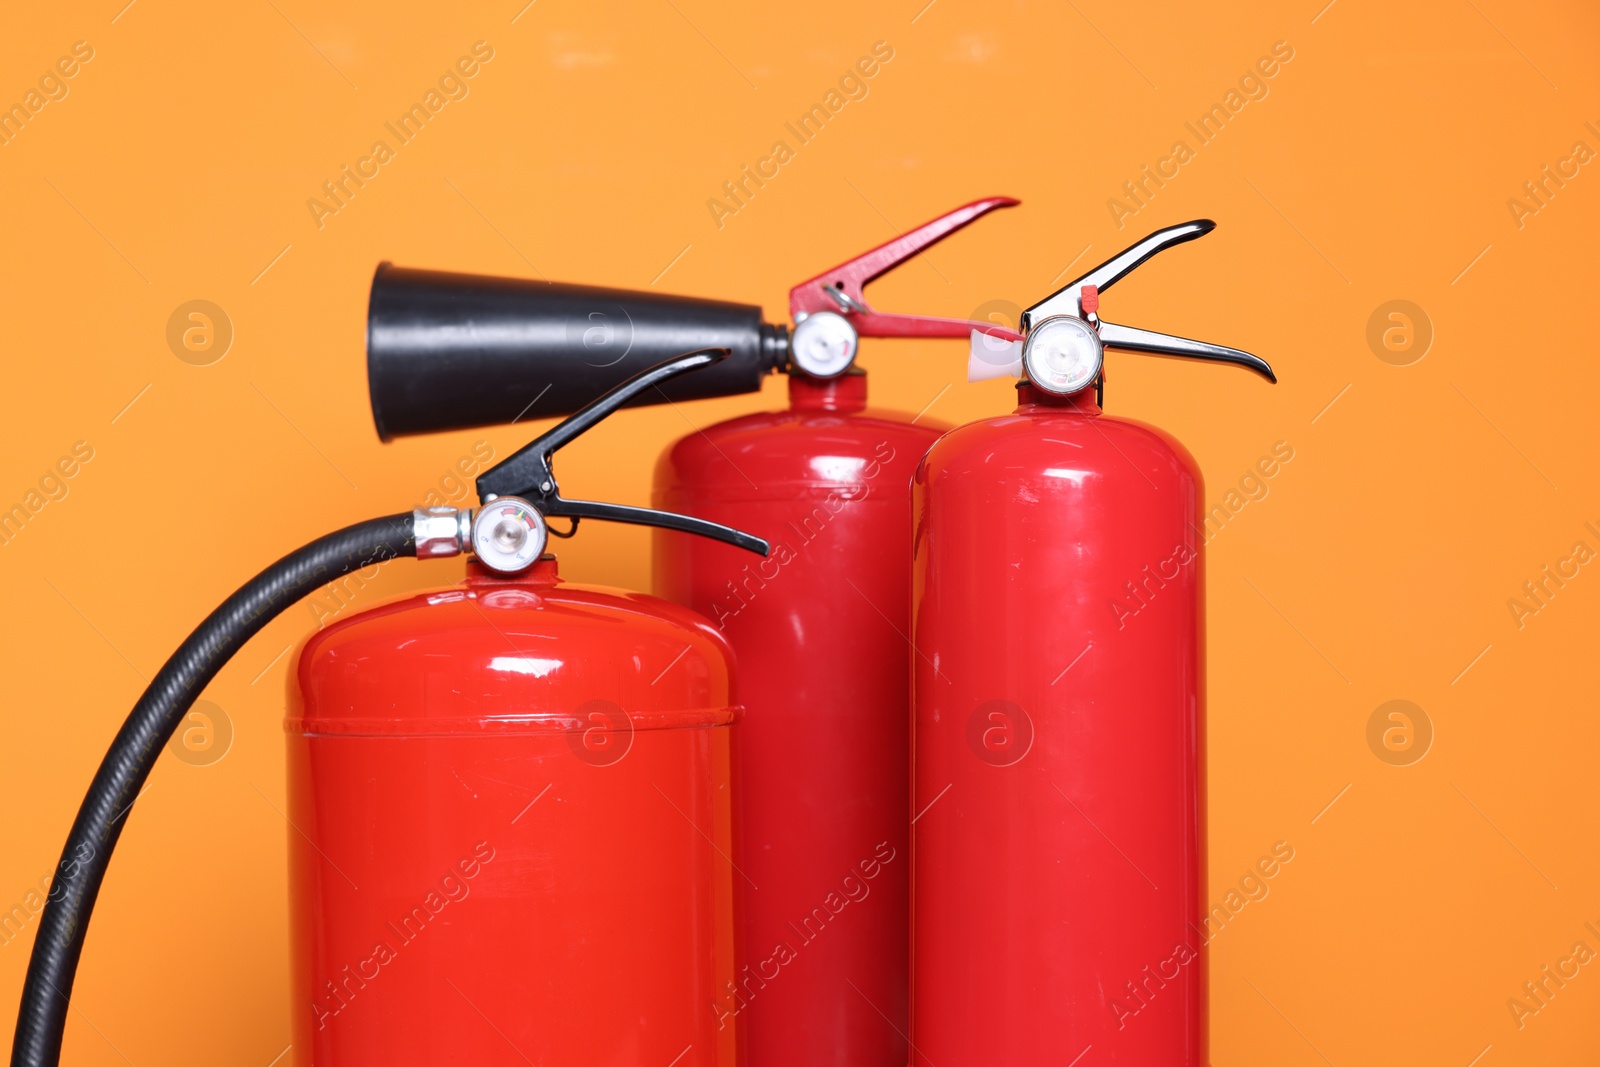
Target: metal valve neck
{"type": "Point", "coordinates": [846, 393]}
{"type": "Point", "coordinates": [543, 572]}
{"type": "Point", "coordinates": [1084, 401]}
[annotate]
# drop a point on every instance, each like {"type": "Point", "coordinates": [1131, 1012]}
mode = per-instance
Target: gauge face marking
{"type": "Point", "coordinates": [823, 344]}
{"type": "Point", "coordinates": [508, 535]}
{"type": "Point", "coordinates": [1062, 355]}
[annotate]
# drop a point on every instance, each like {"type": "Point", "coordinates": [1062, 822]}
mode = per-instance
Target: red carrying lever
{"type": "Point", "coordinates": [839, 290]}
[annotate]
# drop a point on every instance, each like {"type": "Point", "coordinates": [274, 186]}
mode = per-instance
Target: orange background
{"type": "Point", "coordinates": [1378, 567]}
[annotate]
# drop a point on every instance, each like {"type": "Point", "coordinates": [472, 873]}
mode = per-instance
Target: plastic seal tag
{"type": "Point", "coordinates": [993, 357]}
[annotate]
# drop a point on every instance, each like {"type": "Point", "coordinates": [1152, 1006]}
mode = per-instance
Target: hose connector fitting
{"type": "Point", "coordinates": [442, 532]}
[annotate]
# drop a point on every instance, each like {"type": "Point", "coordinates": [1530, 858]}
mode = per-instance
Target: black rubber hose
{"type": "Point", "coordinates": [127, 764]}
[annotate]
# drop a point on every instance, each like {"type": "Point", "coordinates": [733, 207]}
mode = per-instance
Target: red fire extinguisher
{"type": "Point", "coordinates": [821, 753]}
{"type": "Point", "coordinates": [513, 804]}
{"type": "Point", "coordinates": [1059, 712]}
{"type": "Point", "coordinates": [509, 798]}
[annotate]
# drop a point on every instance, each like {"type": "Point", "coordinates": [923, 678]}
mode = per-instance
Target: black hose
{"type": "Point", "coordinates": [127, 764]}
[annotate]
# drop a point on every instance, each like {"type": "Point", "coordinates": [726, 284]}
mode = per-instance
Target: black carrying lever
{"type": "Point", "coordinates": [528, 475]}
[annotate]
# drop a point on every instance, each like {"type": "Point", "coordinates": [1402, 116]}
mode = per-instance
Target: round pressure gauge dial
{"type": "Point", "coordinates": [823, 344]}
{"type": "Point", "coordinates": [1062, 355]}
{"type": "Point", "coordinates": [508, 535]}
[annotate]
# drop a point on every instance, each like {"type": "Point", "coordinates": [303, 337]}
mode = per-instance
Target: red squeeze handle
{"type": "Point", "coordinates": [848, 278]}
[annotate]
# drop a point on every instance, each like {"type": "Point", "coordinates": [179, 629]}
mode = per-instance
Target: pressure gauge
{"type": "Point", "coordinates": [1062, 355]}
{"type": "Point", "coordinates": [823, 344]}
{"type": "Point", "coordinates": [508, 535]}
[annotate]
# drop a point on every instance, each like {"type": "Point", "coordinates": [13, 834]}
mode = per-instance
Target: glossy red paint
{"type": "Point", "coordinates": [821, 756]}
{"type": "Point", "coordinates": [511, 824]}
{"type": "Point", "coordinates": [1058, 692]}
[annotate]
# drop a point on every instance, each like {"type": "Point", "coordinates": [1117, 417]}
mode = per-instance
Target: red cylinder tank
{"type": "Point", "coordinates": [509, 803]}
{"type": "Point", "coordinates": [821, 754]}
{"type": "Point", "coordinates": [1058, 733]}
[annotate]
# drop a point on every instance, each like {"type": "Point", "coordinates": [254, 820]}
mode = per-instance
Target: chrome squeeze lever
{"type": "Point", "coordinates": [1066, 300]}
{"type": "Point", "coordinates": [1064, 336]}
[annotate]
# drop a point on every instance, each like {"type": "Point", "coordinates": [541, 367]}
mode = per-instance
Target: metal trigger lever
{"type": "Point", "coordinates": [1080, 299]}
{"type": "Point", "coordinates": [1065, 338]}
{"type": "Point", "coordinates": [521, 491]}
{"type": "Point", "coordinates": [1067, 299]}
{"type": "Point", "coordinates": [831, 313]}
{"type": "Point", "coordinates": [838, 289]}
{"type": "Point", "coordinates": [1133, 339]}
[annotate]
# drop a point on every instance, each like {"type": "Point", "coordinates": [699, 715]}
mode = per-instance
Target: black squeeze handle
{"type": "Point", "coordinates": [452, 351]}
{"type": "Point", "coordinates": [529, 472]}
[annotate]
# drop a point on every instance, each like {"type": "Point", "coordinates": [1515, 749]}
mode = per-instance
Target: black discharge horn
{"type": "Point", "coordinates": [453, 351]}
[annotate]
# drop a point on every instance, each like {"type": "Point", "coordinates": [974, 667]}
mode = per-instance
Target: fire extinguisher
{"type": "Point", "coordinates": [821, 753]}
{"type": "Point", "coordinates": [510, 798]}
{"type": "Point", "coordinates": [1059, 711]}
